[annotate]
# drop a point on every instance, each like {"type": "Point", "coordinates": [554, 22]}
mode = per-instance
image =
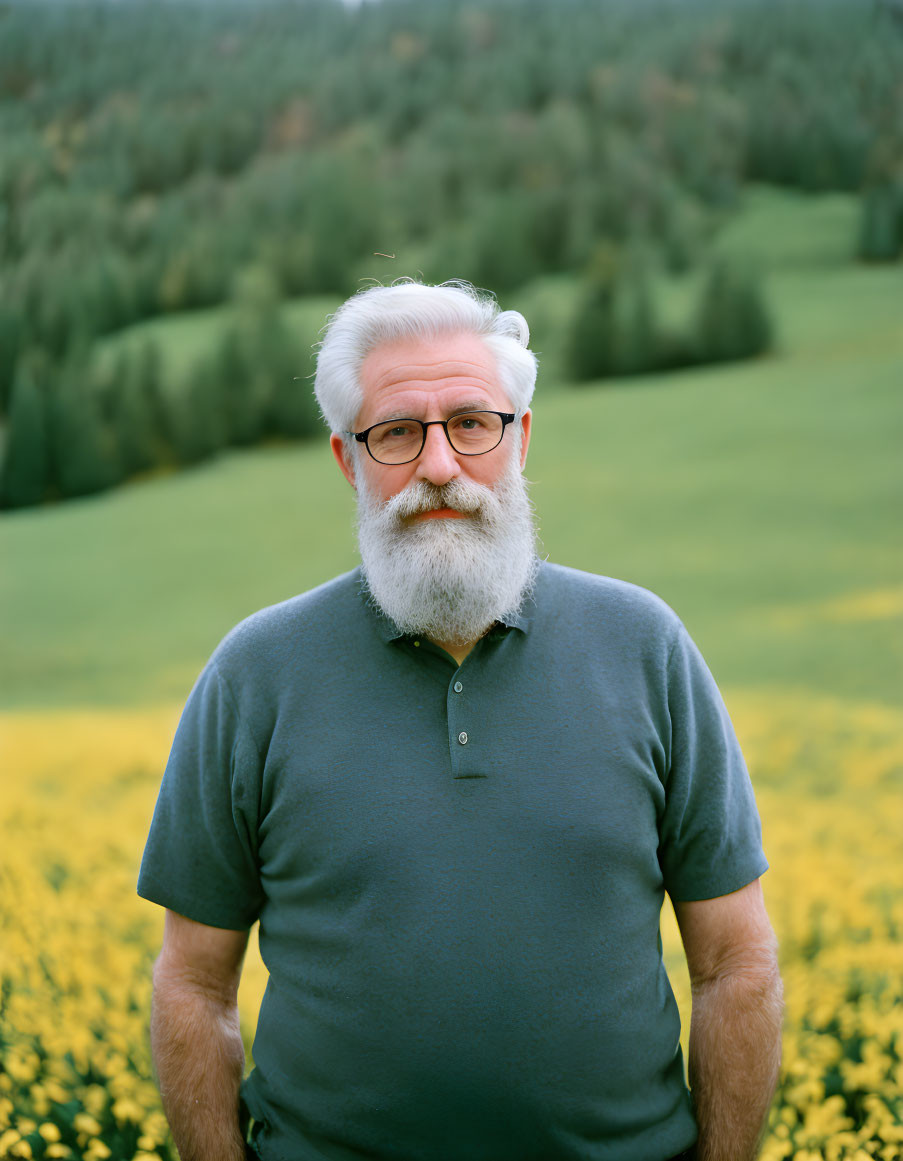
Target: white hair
{"type": "Point", "coordinates": [414, 310]}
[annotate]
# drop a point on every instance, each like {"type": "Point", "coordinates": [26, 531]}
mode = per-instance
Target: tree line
{"type": "Point", "coordinates": [151, 152]}
{"type": "Point", "coordinates": [82, 425]}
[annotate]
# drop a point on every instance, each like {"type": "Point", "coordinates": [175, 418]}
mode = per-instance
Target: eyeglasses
{"type": "Point", "coordinates": [398, 441]}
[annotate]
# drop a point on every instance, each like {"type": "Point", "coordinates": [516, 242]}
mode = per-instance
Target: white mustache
{"type": "Point", "coordinates": [421, 496]}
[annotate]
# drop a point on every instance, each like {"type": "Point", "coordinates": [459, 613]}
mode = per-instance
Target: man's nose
{"type": "Point", "coordinates": [437, 463]}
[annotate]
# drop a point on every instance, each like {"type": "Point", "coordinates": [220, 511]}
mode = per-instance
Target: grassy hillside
{"type": "Point", "coordinates": [760, 500]}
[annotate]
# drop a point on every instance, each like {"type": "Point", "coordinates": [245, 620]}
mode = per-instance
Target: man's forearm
{"type": "Point", "coordinates": [199, 1058]}
{"type": "Point", "coordinates": [735, 1054]}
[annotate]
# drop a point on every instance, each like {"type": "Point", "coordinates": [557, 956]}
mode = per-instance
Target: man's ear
{"type": "Point", "coordinates": [526, 425]}
{"type": "Point", "coordinates": [342, 453]}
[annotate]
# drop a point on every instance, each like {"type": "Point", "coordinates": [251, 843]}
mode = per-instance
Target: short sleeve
{"type": "Point", "coordinates": [711, 836]}
{"type": "Point", "coordinates": [201, 855]}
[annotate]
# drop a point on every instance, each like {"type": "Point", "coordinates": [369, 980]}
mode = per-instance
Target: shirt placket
{"type": "Point", "coordinates": [464, 740]}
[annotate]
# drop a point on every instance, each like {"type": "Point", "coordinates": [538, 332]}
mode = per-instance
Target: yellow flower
{"type": "Point", "coordinates": [128, 1111]}
{"type": "Point", "coordinates": [85, 1123]}
{"type": "Point", "coordinates": [156, 1128]}
{"type": "Point", "coordinates": [94, 1098]}
{"type": "Point", "coordinates": [7, 1139]}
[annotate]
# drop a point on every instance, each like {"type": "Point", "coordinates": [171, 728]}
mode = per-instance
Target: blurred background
{"type": "Point", "coordinates": [698, 206]}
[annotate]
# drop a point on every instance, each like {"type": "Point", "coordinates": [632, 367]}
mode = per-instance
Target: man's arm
{"type": "Point", "coordinates": [195, 1037]}
{"type": "Point", "coordinates": [735, 1030]}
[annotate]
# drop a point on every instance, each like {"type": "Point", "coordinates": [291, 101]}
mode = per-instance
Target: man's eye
{"type": "Point", "coordinates": [468, 423]}
{"type": "Point", "coordinates": [399, 430]}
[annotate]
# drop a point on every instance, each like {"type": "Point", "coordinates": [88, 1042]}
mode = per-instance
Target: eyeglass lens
{"type": "Point", "coordinates": [400, 440]}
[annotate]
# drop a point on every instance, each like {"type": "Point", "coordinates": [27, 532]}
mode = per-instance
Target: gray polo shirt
{"type": "Point", "coordinates": [458, 870]}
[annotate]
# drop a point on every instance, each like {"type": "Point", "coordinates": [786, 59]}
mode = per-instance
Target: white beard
{"type": "Point", "coordinates": [449, 579]}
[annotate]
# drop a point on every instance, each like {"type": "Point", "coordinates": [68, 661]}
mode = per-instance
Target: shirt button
{"type": "Point", "coordinates": [462, 738]}
{"type": "Point", "coordinates": [457, 687]}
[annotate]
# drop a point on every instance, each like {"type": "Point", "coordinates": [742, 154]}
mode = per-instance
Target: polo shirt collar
{"type": "Point", "coordinates": [389, 631]}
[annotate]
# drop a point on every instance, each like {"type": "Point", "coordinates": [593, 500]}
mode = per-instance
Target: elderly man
{"type": "Point", "coordinates": [454, 786]}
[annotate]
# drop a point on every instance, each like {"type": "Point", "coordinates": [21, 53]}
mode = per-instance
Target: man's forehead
{"type": "Point", "coordinates": [452, 368]}
{"type": "Point", "coordinates": [427, 353]}
{"type": "Point", "coordinates": [410, 374]}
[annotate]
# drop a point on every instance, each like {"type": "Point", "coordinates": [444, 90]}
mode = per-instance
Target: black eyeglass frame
{"type": "Point", "coordinates": [362, 436]}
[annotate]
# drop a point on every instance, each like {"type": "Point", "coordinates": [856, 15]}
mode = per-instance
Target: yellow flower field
{"type": "Point", "coordinates": [79, 787]}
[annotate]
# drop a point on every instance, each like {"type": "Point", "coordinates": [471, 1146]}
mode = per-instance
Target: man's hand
{"type": "Point", "coordinates": [735, 1030]}
{"type": "Point", "coordinates": [195, 1037]}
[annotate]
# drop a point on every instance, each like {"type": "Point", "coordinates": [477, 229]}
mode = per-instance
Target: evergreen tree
{"type": "Point", "coordinates": [24, 469]}
{"type": "Point", "coordinates": [881, 224]}
{"type": "Point", "coordinates": [293, 408]}
{"type": "Point", "coordinates": [11, 332]}
{"type": "Point", "coordinates": [253, 355]}
{"type": "Point", "coordinates": [506, 248]}
{"type": "Point", "coordinates": [732, 318]}
{"type": "Point", "coordinates": [635, 337]}
{"type": "Point", "coordinates": [132, 417]}
{"type": "Point", "coordinates": [244, 385]}
{"type": "Point", "coordinates": [591, 342]}
{"type": "Point", "coordinates": [148, 381]}
{"type": "Point", "coordinates": [614, 330]}
{"type": "Point", "coordinates": [84, 456]}
{"type": "Point", "coordinates": [198, 425]}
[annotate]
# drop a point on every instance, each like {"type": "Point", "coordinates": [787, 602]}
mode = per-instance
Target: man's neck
{"type": "Point", "coordinates": [459, 652]}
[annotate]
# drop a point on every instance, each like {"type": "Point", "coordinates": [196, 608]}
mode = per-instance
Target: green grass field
{"type": "Point", "coordinates": [761, 500]}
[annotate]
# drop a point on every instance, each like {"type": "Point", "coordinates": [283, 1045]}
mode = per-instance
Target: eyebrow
{"type": "Point", "coordinates": [462, 408]}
